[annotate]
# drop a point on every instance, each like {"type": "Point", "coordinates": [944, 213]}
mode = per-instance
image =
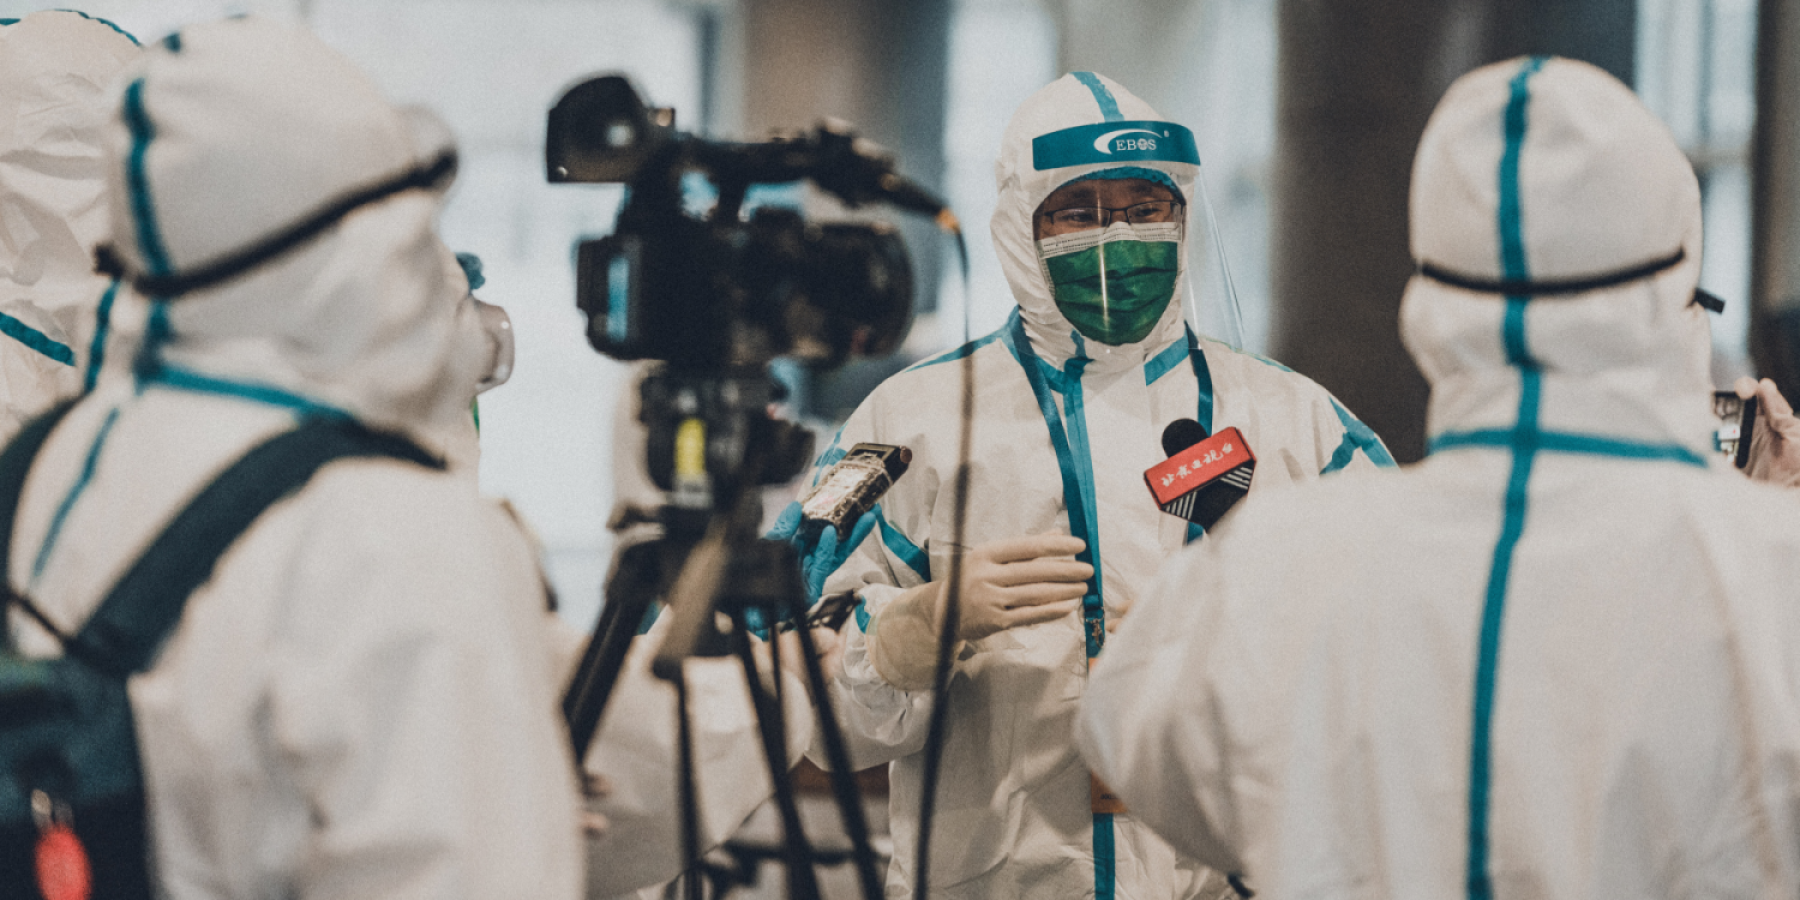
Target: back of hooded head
{"type": "Point", "coordinates": [1081, 126]}
{"type": "Point", "coordinates": [55, 71]}
{"type": "Point", "coordinates": [1557, 229]}
{"type": "Point", "coordinates": [233, 134]}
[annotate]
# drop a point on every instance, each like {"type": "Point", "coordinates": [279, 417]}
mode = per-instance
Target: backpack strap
{"type": "Point", "coordinates": [127, 631]}
{"type": "Point", "coordinates": [15, 464]}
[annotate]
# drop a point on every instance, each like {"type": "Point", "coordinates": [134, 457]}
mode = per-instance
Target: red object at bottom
{"type": "Point", "coordinates": [63, 872]}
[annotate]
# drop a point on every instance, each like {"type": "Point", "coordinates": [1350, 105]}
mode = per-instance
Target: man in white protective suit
{"type": "Point", "coordinates": [361, 701]}
{"type": "Point", "coordinates": [1557, 659]}
{"type": "Point", "coordinates": [1063, 535]}
{"type": "Point", "coordinates": [55, 68]}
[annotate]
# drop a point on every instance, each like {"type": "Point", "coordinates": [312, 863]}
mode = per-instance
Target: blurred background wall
{"type": "Point", "coordinates": [1306, 111]}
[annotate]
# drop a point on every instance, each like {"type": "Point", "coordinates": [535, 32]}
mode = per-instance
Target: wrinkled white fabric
{"type": "Point", "coordinates": [361, 701]}
{"type": "Point", "coordinates": [1013, 807]}
{"type": "Point", "coordinates": [55, 69]}
{"type": "Point", "coordinates": [1297, 701]}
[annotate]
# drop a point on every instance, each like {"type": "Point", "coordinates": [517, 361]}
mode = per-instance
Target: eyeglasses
{"type": "Point", "coordinates": [1082, 218]}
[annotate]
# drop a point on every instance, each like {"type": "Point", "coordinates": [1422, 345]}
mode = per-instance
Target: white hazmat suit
{"type": "Point", "coordinates": [55, 69]}
{"type": "Point", "coordinates": [1557, 658]}
{"type": "Point", "coordinates": [1062, 424]}
{"type": "Point", "coordinates": [361, 702]}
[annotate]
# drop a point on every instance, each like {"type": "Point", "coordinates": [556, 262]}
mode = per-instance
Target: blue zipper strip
{"type": "Point", "coordinates": [1203, 412]}
{"type": "Point", "coordinates": [1106, 866]}
{"type": "Point", "coordinates": [1073, 459]}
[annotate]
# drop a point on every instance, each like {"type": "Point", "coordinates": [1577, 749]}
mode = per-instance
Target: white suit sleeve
{"type": "Point", "coordinates": [1147, 726]}
{"type": "Point", "coordinates": [880, 722]}
{"type": "Point", "coordinates": [413, 694]}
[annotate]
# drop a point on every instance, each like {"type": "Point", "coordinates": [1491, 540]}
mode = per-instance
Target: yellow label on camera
{"type": "Point", "coordinates": [690, 449]}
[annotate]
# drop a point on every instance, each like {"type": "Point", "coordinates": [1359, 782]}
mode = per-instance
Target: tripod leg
{"type": "Point", "coordinates": [802, 880]}
{"type": "Point", "coordinates": [690, 806]}
{"type": "Point", "coordinates": [843, 782]}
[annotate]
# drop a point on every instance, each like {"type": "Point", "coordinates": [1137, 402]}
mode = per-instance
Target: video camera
{"type": "Point", "coordinates": [721, 293]}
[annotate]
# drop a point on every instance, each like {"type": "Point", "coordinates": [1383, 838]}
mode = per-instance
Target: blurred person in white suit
{"type": "Point", "coordinates": [1557, 658]}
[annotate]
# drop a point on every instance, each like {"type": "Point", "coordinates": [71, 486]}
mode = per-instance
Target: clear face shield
{"type": "Point", "coordinates": [1209, 298]}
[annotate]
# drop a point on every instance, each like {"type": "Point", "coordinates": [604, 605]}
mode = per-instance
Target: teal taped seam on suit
{"type": "Point", "coordinates": [1567, 442]}
{"type": "Point", "coordinates": [143, 211]}
{"type": "Point", "coordinates": [958, 353]}
{"type": "Point", "coordinates": [1524, 446]}
{"type": "Point", "coordinates": [68, 502]}
{"type": "Point", "coordinates": [1109, 105]}
{"type": "Point", "coordinates": [1357, 436]}
{"type": "Point", "coordinates": [38, 341]}
{"type": "Point", "coordinates": [898, 544]}
{"type": "Point", "coordinates": [1165, 362]}
{"type": "Point", "coordinates": [102, 328]}
{"type": "Point", "coordinates": [194, 382]}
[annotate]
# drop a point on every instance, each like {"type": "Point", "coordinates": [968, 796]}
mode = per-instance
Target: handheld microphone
{"type": "Point", "coordinates": [1203, 476]}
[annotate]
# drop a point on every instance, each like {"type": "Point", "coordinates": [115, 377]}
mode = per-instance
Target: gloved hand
{"type": "Point", "coordinates": [1005, 584]}
{"type": "Point", "coordinates": [826, 554]}
{"type": "Point", "coordinates": [1775, 445]}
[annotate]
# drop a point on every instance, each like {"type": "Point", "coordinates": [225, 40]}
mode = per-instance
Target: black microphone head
{"type": "Point", "coordinates": [1182, 434]}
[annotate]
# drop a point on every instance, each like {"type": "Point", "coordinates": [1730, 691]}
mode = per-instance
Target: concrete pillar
{"type": "Point", "coordinates": [1357, 83]}
{"type": "Point", "coordinates": [1775, 263]}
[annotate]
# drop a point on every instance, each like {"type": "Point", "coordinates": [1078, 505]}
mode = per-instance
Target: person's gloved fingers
{"type": "Point", "coordinates": [1774, 405]}
{"type": "Point", "coordinates": [1053, 568]}
{"type": "Point", "coordinates": [1040, 593]}
{"type": "Point", "coordinates": [820, 562]}
{"type": "Point", "coordinates": [826, 550]}
{"type": "Point", "coordinates": [786, 524]}
{"type": "Point", "coordinates": [1035, 615]}
{"type": "Point", "coordinates": [1031, 546]}
{"type": "Point", "coordinates": [861, 530]}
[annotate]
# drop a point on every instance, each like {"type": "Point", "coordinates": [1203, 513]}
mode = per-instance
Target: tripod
{"type": "Point", "coordinates": [720, 582]}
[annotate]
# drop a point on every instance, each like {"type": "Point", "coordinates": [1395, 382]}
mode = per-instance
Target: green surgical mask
{"type": "Point", "coordinates": [1121, 306]}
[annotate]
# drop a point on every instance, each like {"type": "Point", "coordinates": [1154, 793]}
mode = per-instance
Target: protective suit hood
{"type": "Point", "coordinates": [1059, 135]}
{"type": "Point", "coordinates": [217, 147]}
{"type": "Point", "coordinates": [55, 69]}
{"type": "Point", "coordinates": [1549, 173]}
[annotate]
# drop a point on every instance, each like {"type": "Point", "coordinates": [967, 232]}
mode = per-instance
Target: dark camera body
{"type": "Point", "coordinates": [701, 294]}
{"type": "Point", "coordinates": [722, 293]}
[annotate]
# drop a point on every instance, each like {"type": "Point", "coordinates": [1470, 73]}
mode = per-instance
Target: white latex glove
{"type": "Point", "coordinates": [1775, 445]}
{"type": "Point", "coordinates": [1005, 584]}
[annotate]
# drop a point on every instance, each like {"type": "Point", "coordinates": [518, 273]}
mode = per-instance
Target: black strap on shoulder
{"type": "Point", "coordinates": [15, 463]}
{"type": "Point", "coordinates": [128, 629]}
